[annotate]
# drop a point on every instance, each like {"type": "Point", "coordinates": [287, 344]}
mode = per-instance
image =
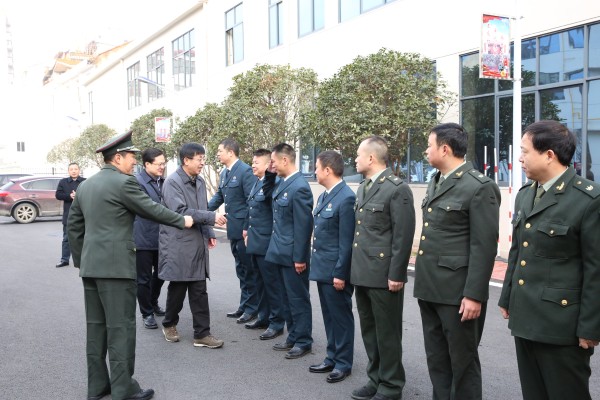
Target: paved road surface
{"type": "Point", "coordinates": [42, 348]}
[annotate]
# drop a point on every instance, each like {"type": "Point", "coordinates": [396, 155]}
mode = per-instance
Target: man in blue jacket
{"type": "Point", "coordinates": [235, 183]}
{"type": "Point", "coordinates": [289, 248]}
{"type": "Point", "coordinates": [330, 265]}
{"type": "Point", "coordinates": [145, 233]}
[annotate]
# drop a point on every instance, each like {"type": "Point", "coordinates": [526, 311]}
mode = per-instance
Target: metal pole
{"type": "Point", "coordinates": [517, 180]}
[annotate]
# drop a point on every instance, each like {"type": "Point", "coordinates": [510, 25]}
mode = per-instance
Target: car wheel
{"type": "Point", "coordinates": [25, 213]}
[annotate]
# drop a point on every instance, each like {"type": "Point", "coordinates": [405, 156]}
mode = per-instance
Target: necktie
{"type": "Point", "coordinates": [159, 184]}
{"type": "Point", "coordinates": [538, 194]}
{"type": "Point", "coordinates": [226, 173]}
{"type": "Point", "coordinates": [368, 185]}
{"type": "Point", "coordinates": [439, 184]}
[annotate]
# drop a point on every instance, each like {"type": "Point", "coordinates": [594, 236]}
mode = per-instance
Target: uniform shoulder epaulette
{"type": "Point", "coordinates": [479, 176]}
{"type": "Point", "coordinates": [394, 179]}
{"type": "Point", "coordinates": [588, 187]}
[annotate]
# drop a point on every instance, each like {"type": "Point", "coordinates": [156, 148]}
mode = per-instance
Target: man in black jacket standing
{"type": "Point", "coordinates": [65, 191]}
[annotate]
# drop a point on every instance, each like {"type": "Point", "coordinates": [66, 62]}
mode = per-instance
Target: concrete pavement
{"type": "Point", "coordinates": [43, 338]}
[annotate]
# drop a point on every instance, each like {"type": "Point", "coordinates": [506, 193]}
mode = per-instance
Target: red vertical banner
{"type": "Point", "coordinates": [494, 55]}
{"type": "Point", "coordinates": [162, 129]}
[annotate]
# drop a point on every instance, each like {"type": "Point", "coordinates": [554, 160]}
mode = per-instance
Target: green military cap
{"type": "Point", "coordinates": [117, 143]}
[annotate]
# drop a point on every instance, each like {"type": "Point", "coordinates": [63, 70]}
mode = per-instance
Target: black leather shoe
{"type": "Point", "coordinates": [100, 396]}
{"type": "Point", "coordinates": [142, 395]}
{"type": "Point", "coordinates": [285, 346]}
{"type": "Point", "coordinates": [380, 396]}
{"type": "Point", "coordinates": [297, 352]}
{"type": "Point", "coordinates": [364, 393]}
{"type": "Point", "coordinates": [320, 368]}
{"type": "Point", "coordinates": [235, 314]}
{"type": "Point", "coordinates": [150, 322]}
{"type": "Point", "coordinates": [257, 325]}
{"type": "Point", "coordinates": [271, 334]}
{"type": "Point", "coordinates": [62, 264]}
{"type": "Point", "coordinates": [337, 376]}
{"type": "Point", "coordinates": [245, 318]}
{"type": "Point", "coordinates": [159, 311]}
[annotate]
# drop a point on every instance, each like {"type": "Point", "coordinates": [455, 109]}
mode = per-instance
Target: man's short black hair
{"type": "Point", "coordinates": [552, 135]}
{"type": "Point", "coordinates": [333, 160]}
{"type": "Point", "coordinates": [190, 150]}
{"type": "Point", "coordinates": [150, 154]}
{"type": "Point", "coordinates": [262, 153]}
{"type": "Point", "coordinates": [452, 135]}
{"type": "Point", "coordinates": [230, 144]}
{"type": "Point", "coordinates": [379, 148]}
{"type": "Point", "coordinates": [286, 150]}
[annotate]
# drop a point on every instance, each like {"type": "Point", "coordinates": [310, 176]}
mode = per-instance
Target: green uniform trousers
{"type": "Point", "coordinates": [451, 350]}
{"type": "Point", "coordinates": [380, 313]}
{"type": "Point", "coordinates": [553, 372]}
{"type": "Point", "coordinates": [110, 317]}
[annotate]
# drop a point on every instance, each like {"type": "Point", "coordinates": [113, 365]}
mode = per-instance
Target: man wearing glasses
{"type": "Point", "coordinates": [145, 233]}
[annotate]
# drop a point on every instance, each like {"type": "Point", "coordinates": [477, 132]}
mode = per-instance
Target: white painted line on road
{"type": "Point", "coordinates": [495, 284]}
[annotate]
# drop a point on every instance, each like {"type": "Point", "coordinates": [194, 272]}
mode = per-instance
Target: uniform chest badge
{"type": "Point", "coordinates": [261, 192]}
{"type": "Point", "coordinates": [234, 178]}
{"type": "Point", "coordinates": [329, 207]}
{"type": "Point", "coordinates": [285, 195]}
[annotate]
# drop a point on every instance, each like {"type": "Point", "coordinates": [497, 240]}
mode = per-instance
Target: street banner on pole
{"type": "Point", "coordinates": [494, 55]}
{"type": "Point", "coordinates": [162, 129]}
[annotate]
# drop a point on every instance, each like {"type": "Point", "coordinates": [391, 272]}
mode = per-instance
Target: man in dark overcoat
{"type": "Point", "coordinates": [236, 181]}
{"type": "Point", "coordinates": [65, 191]}
{"type": "Point", "coordinates": [551, 288]}
{"type": "Point", "coordinates": [383, 237]}
{"type": "Point", "coordinates": [289, 248]}
{"type": "Point", "coordinates": [183, 256]}
{"type": "Point", "coordinates": [330, 265]}
{"type": "Point", "coordinates": [100, 229]}
{"type": "Point", "coordinates": [457, 251]}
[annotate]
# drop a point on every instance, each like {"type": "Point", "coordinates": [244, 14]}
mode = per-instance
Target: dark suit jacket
{"type": "Point", "coordinates": [145, 231]}
{"type": "Point", "coordinates": [552, 285]}
{"type": "Point", "coordinates": [100, 226]}
{"type": "Point", "coordinates": [234, 192]}
{"type": "Point", "coordinates": [63, 192]}
{"type": "Point", "coordinates": [385, 228]}
{"type": "Point", "coordinates": [459, 240]}
{"type": "Point", "coordinates": [292, 222]}
{"type": "Point", "coordinates": [259, 225]}
{"type": "Point", "coordinates": [333, 235]}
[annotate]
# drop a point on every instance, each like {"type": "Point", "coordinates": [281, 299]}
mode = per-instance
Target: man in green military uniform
{"type": "Point", "coordinates": [551, 292]}
{"type": "Point", "coordinates": [100, 229]}
{"type": "Point", "coordinates": [454, 264]}
{"type": "Point", "coordinates": [383, 237]}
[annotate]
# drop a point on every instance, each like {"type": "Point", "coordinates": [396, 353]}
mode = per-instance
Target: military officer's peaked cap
{"type": "Point", "coordinates": [117, 143]}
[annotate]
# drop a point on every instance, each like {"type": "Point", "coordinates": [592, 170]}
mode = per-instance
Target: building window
{"type": "Point", "coordinates": [156, 70]}
{"type": "Point", "coordinates": [352, 8]}
{"type": "Point", "coordinates": [134, 92]}
{"type": "Point", "coordinates": [557, 85]}
{"type": "Point", "coordinates": [234, 35]}
{"type": "Point", "coordinates": [311, 16]}
{"type": "Point", "coordinates": [275, 23]}
{"type": "Point", "coordinates": [184, 60]}
{"type": "Point", "coordinates": [20, 146]}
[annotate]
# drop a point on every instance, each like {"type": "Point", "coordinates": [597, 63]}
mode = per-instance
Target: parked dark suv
{"type": "Point", "coordinates": [30, 197]}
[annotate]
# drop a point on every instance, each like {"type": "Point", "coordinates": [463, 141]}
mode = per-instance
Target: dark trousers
{"type": "Point", "coordinates": [553, 372]}
{"type": "Point", "coordinates": [66, 250]}
{"type": "Point", "coordinates": [339, 324]}
{"type": "Point", "coordinates": [247, 276]}
{"type": "Point", "coordinates": [380, 314]}
{"type": "Point", "coordinates": [148, 282]}
{"type": "Point", "coordinates": [198, 299]}
{"type": "Point", "coordinates": [451, 350]}
{"type": "Point", "coordinates": [110, 320]}
{"type": "Point", "coordinates": [297, 298]}
{"type": "Point", "coordinates": [269, 285]}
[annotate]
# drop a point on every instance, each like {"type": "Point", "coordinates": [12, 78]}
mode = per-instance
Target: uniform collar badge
{"type": "Point", "coordinates": [561, 186]}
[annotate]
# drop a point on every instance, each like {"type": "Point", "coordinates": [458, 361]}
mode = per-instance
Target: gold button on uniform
{"type": "Point", "coordinates": [564, 302]}
{"type": "Point", "coordinates": [381, 255]}
{"type": "Point", "coordinates": [420, 252]}
{"type": "Point", "coordinates": [422, 237]}
{"type": "Point", "coordinates": [525, 244]}
{"type": "Point", "coordinates": [357, 233]}
{"type": "Point", "coordinates": [360, 210]}
{"type": "Point", "coordinates": [429, 209]}
{"type": "Point", "coordinates": [358, 222]}
{"type": "Point", "coordinates": [527, 225]}
{"type": "Point", "coordinates": [521, 282]}
{"type": "Point", "coordinates": [523, 263]}
{"type": "Point", "coordinates": [355, 244]}
{"type": "Point", "coordinates": [552, 231]}
{"type": "Point", "coordinates": [426, 223]}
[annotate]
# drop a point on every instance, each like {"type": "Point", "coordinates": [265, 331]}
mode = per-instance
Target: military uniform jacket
{"type": "Point", "coordinates": [552, 285]}
{"type": "Point", "coordinates": [183, 255]}
{"type": "Point", "coordinates": [100, 225]}
{"type": "Point", "coordinates": [333, 235]}
{"type": "Point", "coordinates": [384, 232]}
{"type": "Point", "coordinates": [292, 222]}
{"type": "Point", "coordinates": [259, 225]}
{"type": "Point", "coordinates": [234, 191]}
{"type": "Point", "coordinates": [459, 241]}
